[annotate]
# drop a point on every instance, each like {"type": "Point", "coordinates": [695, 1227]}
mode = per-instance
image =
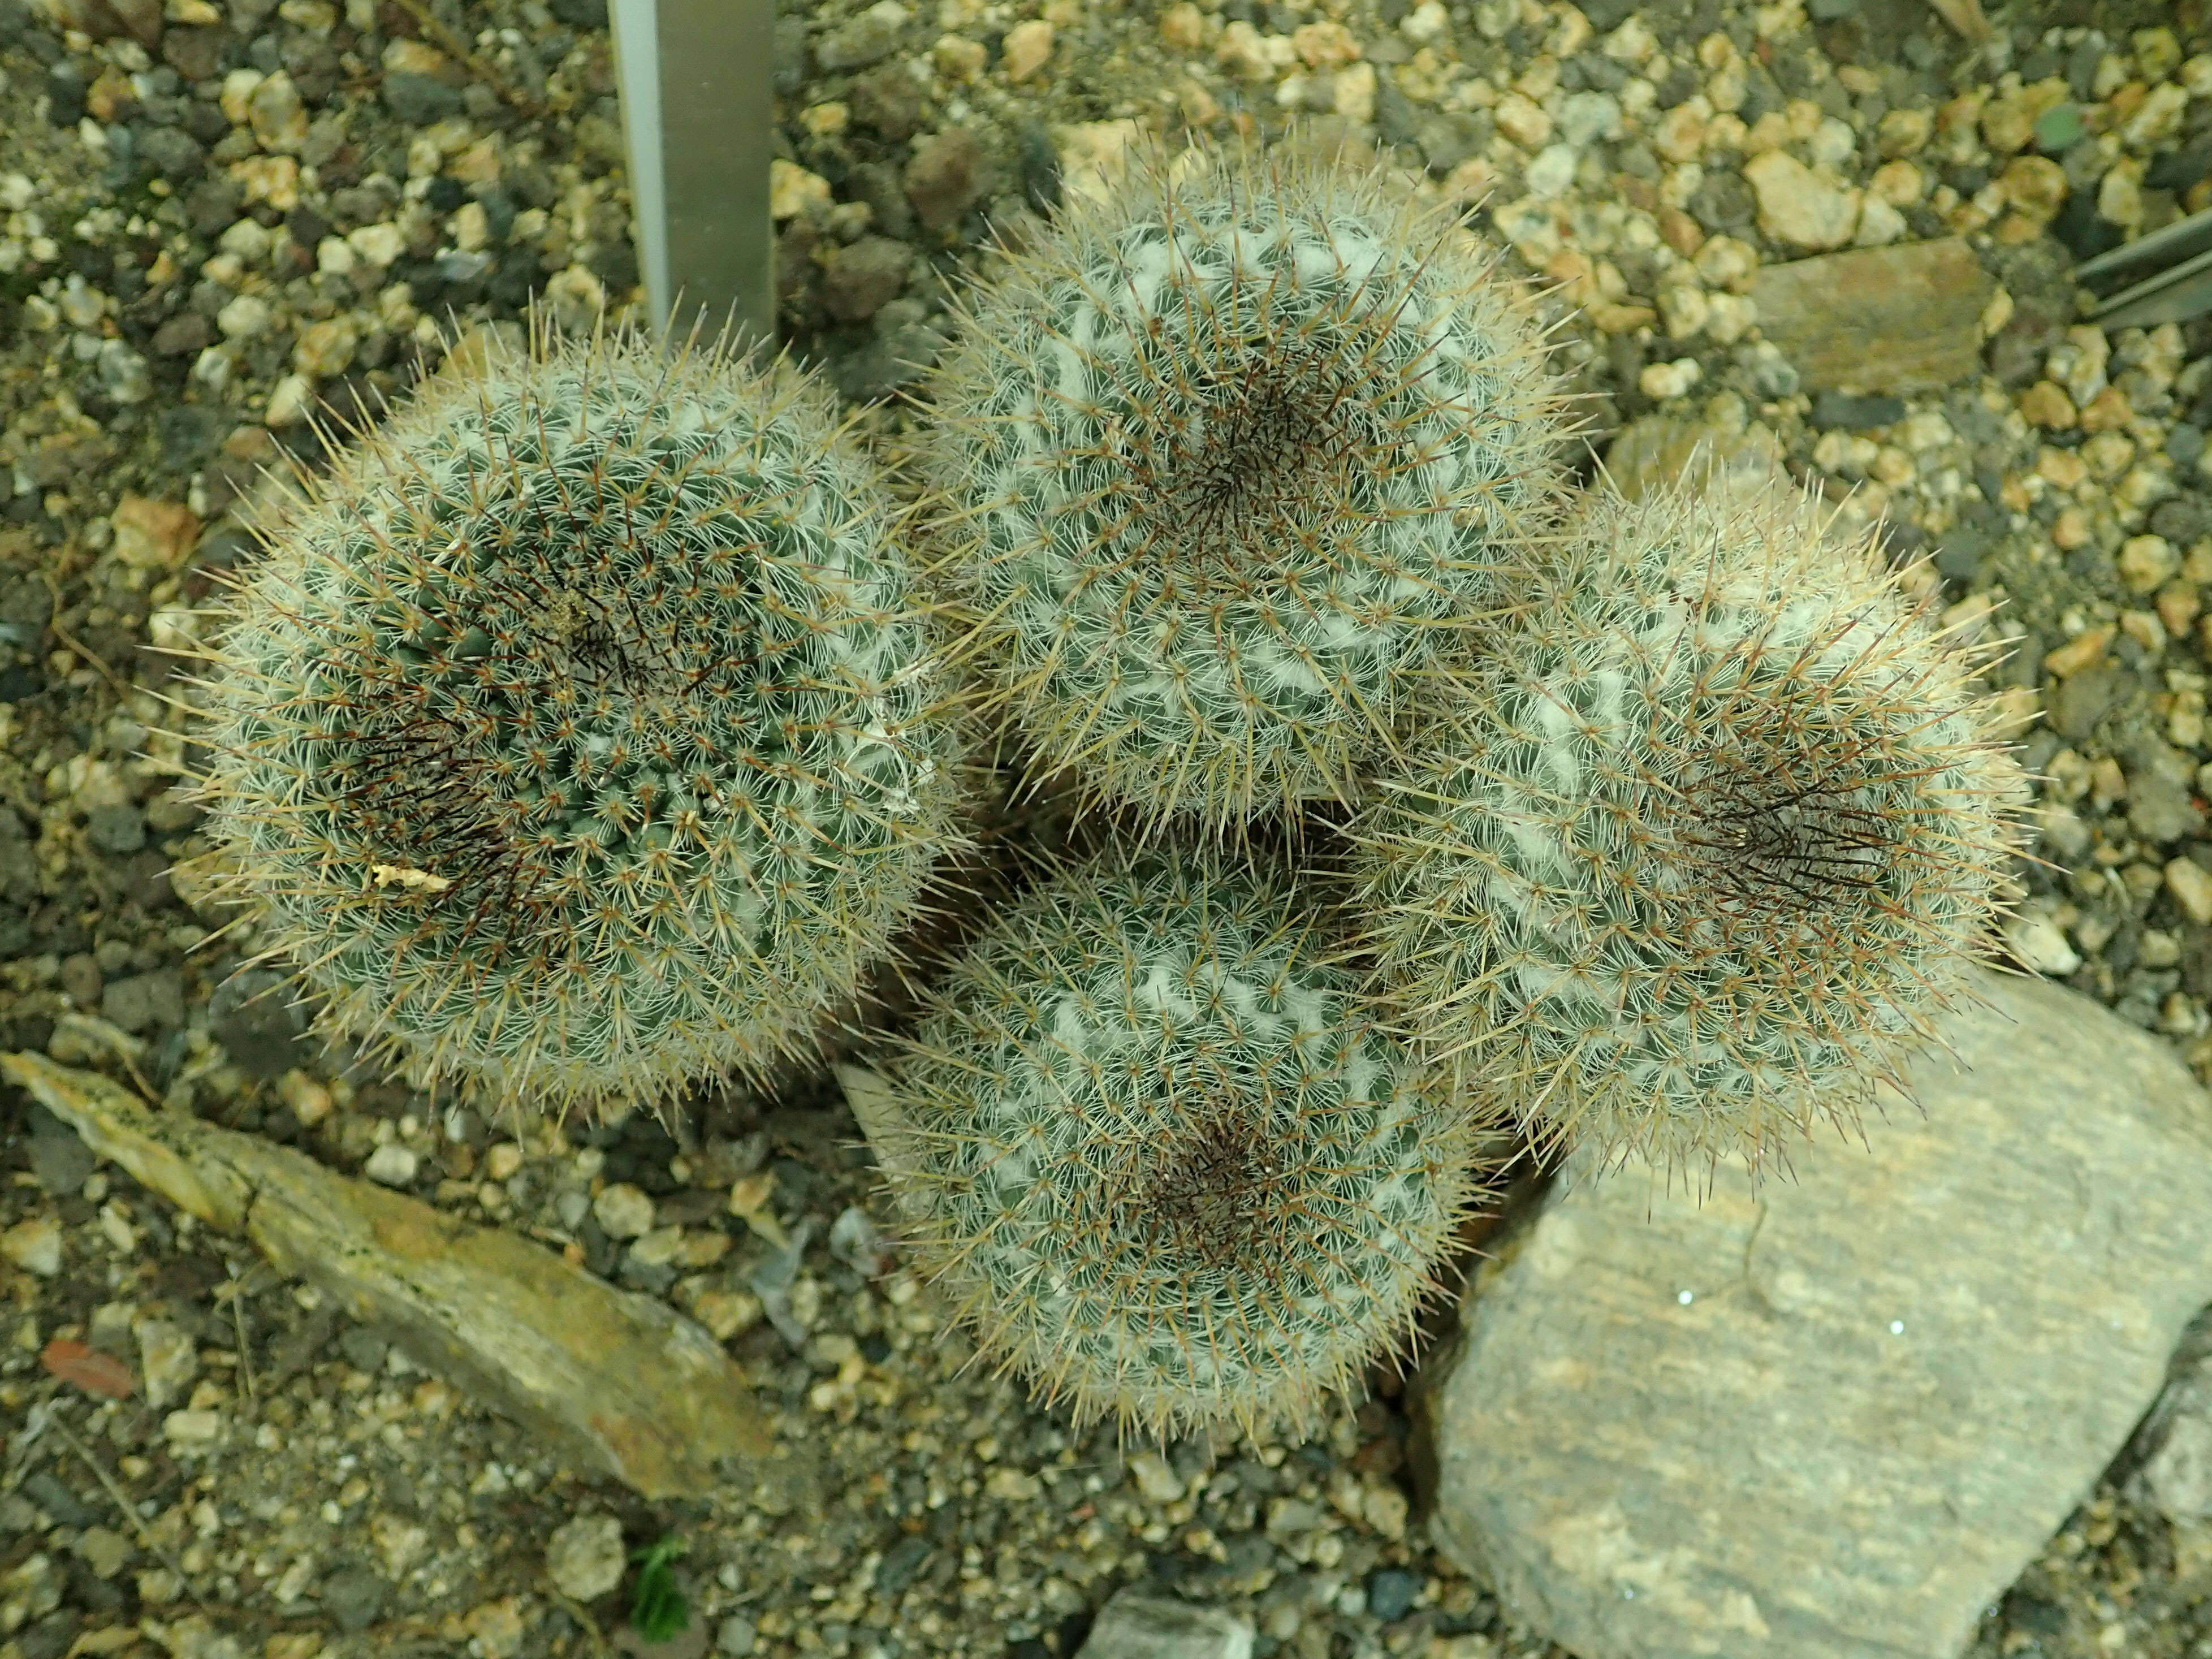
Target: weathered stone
{"type": "Point", "coordinates": [1660, 450]}
{"type": "Point", "coordinates": [944, 176]}
{"type": "Point", "coordinates": [859, 281]}
{"type": "Point", "coordinates": [1135, 1625]}
{"type": "Point", "coordinates": [868, 39]}
{"type": "Point", "coordinates": [618, 1383]}
{"type": "Point", "coordinates": [1836, 1418]}
{"type": "Point", "coordinates": [1901, 319]}
{"type": "Point", "coordinates": [585, 1558]}
{"type": "Point", "coordinates": [2176, 1475]}
{"type": "Point", "coordinates": [1797, 205]}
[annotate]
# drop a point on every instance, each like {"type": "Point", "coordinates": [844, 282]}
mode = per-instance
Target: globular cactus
{"type": "Point", "coordinates": [1227, 463]}
{"type": "Point", "coordinates": [1162, 1154]}
{"type": "Point", "coordinates": [582, 733]}
{"type": "Point", "coordinates": [1690, 864]}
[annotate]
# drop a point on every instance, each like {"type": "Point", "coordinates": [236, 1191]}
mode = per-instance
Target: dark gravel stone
{"type": "Point", "coordinates": [1855, 413]}
{"type": "Point", "coordinates": [581, 13]}
{"type": "Point", "coordinates": [890, 101]}
{"type": "Point", "coordinates": [945, 178]}
{"type": "Point", "coordinates": [420, 101]}
{"type": "Point", "coordinates": [189, 433]}
{"type": "Point", "coordinates": [2159, 809]}
{"type": "Point", "coordinates": [145, 1002]}
{"type": "Point", "coordinates": [205, 122]}
{"type": "Point", "coordinates": [1039, 164]}
{"type": "Point", "coordinates": [354, 1596]}
{"type": "Point", "coordinates": [2182, 519]}
{"type": "Point", "coordinates": [2085, 232]}
{"type": "Point", "coordinates": [901, 1565]}
{"type": "Point", "coordinates": [45, 1490]}
{"type": "Point", "coordinates": [1390, 1593]}
{"type": "Point", "coordinates": [194, 53]}
{"type": "Point", "coordinates": [253, 1016]}
{"type": "Point", "coordinates": [1451, 137]}
{"type": "Point", "coordinates": [859, 281]}
{"type": "Point", "coordinates": [364, 1349]}
{"type": "Point", "coordinates": [2080, 701]}
{"type": "Point", "coordinates": [171, 152]}
{"type": "Point", "coordinates": [867, 39]}
{"type": "Point", "coordinates": [1723, 202]}
{"type": "Point", "coordinates": [65, 85]}
{"type": "Point", "coordinates": [53, 1636]}
{"type": "Point", "coordinates": [58, 1156]}
{"type": "Point", "coordinates": [117, 828]}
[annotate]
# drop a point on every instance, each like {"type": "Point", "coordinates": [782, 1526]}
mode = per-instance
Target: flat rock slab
{"type": "Point", "coordinates": [619, 1384]}
{"type": "Point", "coordinates": [1136, 1625]}
{"type": "Point", "coordinates": [1907, 318]}
{"type": "Point", "coordinates": [1836, 1418]}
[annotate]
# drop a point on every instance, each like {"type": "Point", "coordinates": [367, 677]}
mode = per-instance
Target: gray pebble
{"type": "Point", "coordinates": [364, 1349]}
{"type": "Point", "coordinates": [81, 979]}
{"type": "Point", "coordinates": [1390, 1592]}
{"type": "Point", "coordinates": [354, 1596]}
{"type": "Point", "coordinates": [253, 1016]}
{"type": "Point", "coordinates": [868, 39]}
{"type": "Point", "coordinates": [117, 828]}
{"type": "Point", "coordinates": [901, 1565]}
{"type": "Point", "coordinates": [1136, 1625]}
{"type": "Point", "coordinates": [419, 100]}
{"type": "Point", "coordinates": [59, 1158]}
{"type": "Point", "coordinates": [145, 1002]}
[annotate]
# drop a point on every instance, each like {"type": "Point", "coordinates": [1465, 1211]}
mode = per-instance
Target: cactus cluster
{"type": "Point", "coordinates": [580, 733]}
{"type": "Point", "coordinates": [1226, 465]}
{"type": "Point", "coordinates": [1703, 846]}
{"type": "Point", "coordinates": [589, 729]}
{"type": "Point", "coordinates": [1163, 1154]}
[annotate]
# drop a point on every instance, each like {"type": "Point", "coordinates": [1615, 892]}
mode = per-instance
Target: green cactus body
{"type": "Point", "coordinates": [1230, 461]}
{"type": "Point", "coordinates": [580, 733]}
{"type": "Point", "coordinates": [1159, 1151]}
{"type": "Point", "coordinates": [1691, 863]}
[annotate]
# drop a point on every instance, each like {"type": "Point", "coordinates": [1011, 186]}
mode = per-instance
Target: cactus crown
{"type": "Point", "coordinates": [1173, 1169]}
{"type": "Point", "coordinates": [580, 733]}
{"type": "Point", "coordinates": [1230, 459]}
{"type": "Point", "coordinates": [1705, 846]}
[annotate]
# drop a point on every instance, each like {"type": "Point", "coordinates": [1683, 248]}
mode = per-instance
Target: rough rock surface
{"type": "Point", "coordinates": [1897, 319]}
{"type": "Point", "coordinates": [1836, 1418]}
{"type": "Point", "coordinates": [1135, 1625]}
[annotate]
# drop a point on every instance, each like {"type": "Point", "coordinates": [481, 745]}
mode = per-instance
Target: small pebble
{"type": "Point", "coordinates": [586, 1558]}
{"type": "Point", "coordinates": [391, 1165]}
{"type": "Point", "coordinates": [1660, 382]}
{"type": "Point", "coordinates": [623, 1211]}
{"type": "Point", "coordinates": [35, 1245]}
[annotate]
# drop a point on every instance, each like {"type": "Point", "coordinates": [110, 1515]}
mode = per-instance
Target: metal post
{"type": "Point", "coordinates": [698, 111]}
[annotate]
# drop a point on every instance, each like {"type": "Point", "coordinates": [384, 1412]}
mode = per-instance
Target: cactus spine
{"type": "Point", "coordinates": [1227, 463]}
{"type": "Point", "coordinates": [1704, 847]}
{"type": "Point", "coordinates": [580, 732]}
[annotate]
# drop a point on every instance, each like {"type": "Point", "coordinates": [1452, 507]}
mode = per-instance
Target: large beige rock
{"type": "Point", "coordinates": [1834, 1419]}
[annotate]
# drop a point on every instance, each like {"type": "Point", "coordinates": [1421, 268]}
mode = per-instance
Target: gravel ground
{"type": "Point", "coordinates": [212, 216]}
